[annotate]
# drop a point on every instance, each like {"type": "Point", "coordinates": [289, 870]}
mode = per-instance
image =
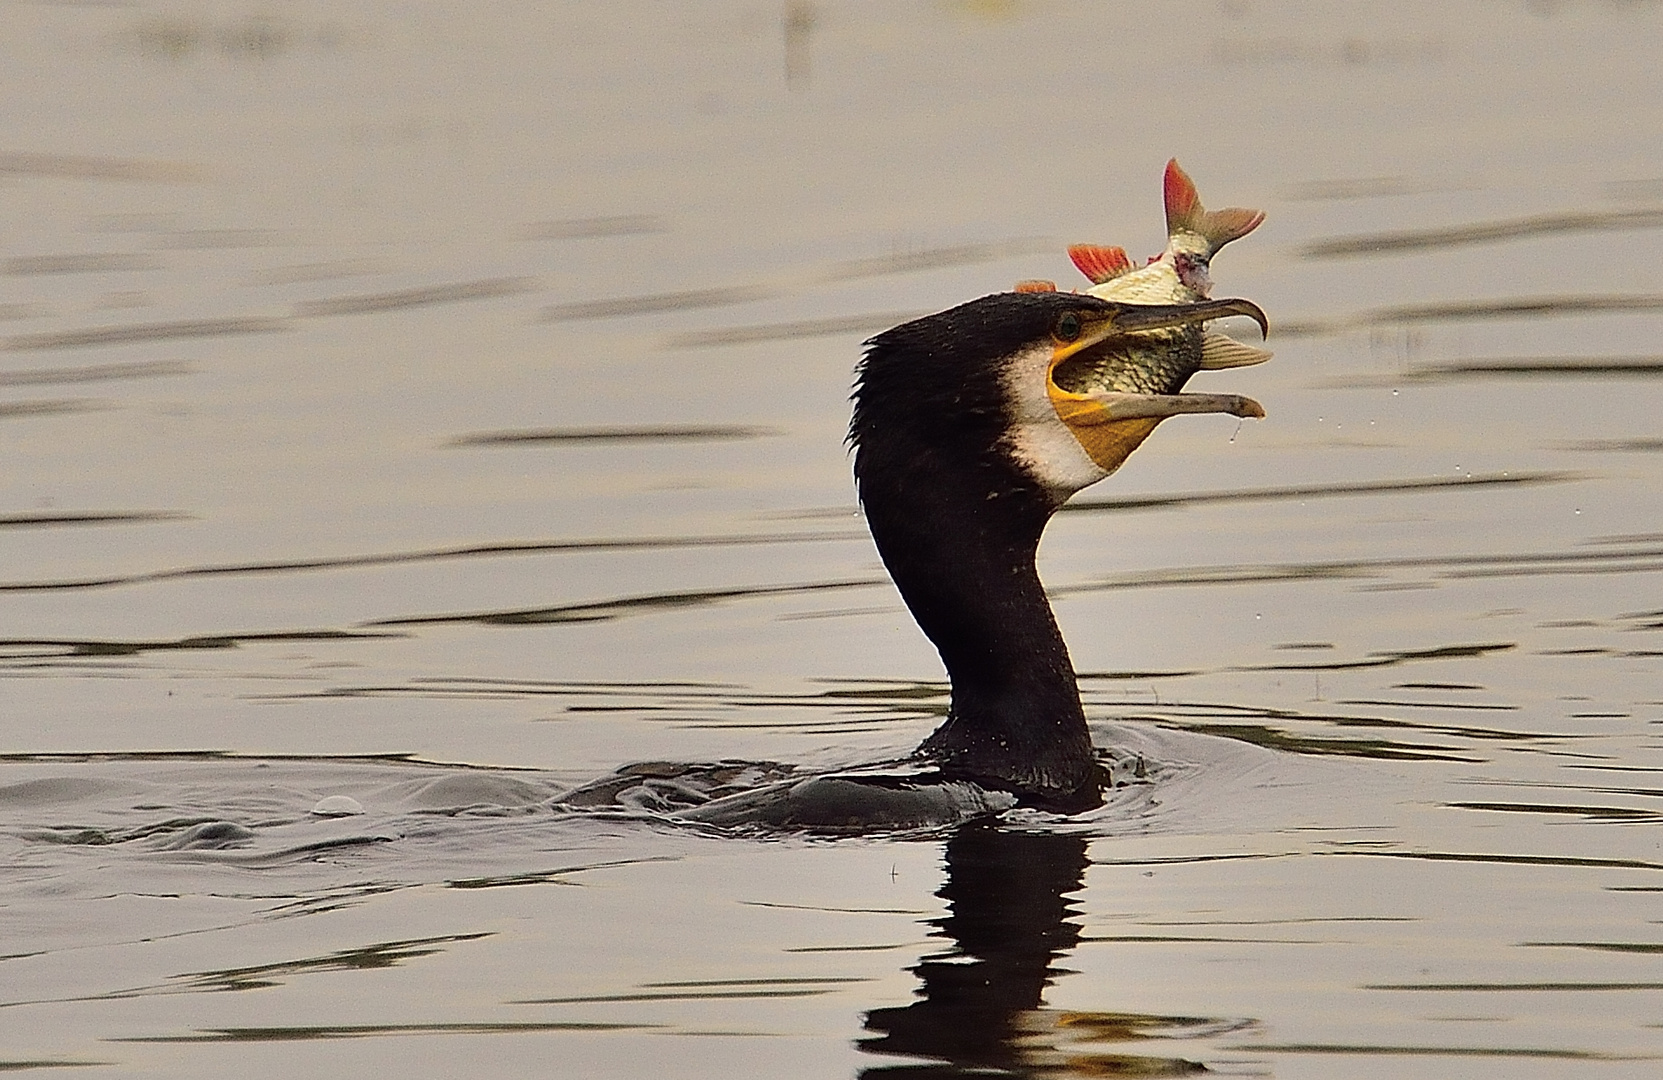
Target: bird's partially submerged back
{"type": "Point", "coordinates": [965, 444]}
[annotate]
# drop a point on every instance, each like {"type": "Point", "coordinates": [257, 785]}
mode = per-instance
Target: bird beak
{"type": "Point", "coordinates": [1109, 425]}
{"type": "Point", "coordinates": [1133, 318]}
{"type": "Point", "coordinates": [1122, 319]}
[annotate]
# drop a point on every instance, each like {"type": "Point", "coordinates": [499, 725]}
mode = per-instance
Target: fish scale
{"type": "Point", "coordinates": [1155, 362]}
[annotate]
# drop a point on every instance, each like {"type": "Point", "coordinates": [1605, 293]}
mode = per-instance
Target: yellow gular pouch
{"type": "Point", "coordinates": [1108, 441]}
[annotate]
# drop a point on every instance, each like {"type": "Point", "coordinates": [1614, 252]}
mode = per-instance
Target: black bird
{"type": "Point", "coordinates": [971, 427]}
{"type": "Point", "coordinates": [966, 440]}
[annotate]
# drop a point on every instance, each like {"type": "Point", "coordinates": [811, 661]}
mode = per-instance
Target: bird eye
{"type": "Point", "coordinates": [1068, 328]}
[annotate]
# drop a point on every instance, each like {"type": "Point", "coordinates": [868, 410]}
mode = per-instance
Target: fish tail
{"type": "Point", "coordinates": [1184, 212]}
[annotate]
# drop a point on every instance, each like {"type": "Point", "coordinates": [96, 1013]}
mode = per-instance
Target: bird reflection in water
{"type": "Point", "coordinates": [1011, 916]}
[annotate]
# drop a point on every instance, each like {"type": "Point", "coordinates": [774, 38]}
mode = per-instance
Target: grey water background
{"type": "Point", "coordinates": [409, 411]}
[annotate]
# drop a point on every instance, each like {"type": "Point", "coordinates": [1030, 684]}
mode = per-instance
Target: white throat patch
{"type": "Point", "coordinates": [1038, 439]}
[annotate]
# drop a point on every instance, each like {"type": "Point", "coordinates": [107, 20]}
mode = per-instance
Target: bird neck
{"type": "Point", "coordinates": [960, 543]}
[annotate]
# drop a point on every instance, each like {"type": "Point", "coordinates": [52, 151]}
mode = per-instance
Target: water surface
{"type": "Point", "coordinates": [412, 412]}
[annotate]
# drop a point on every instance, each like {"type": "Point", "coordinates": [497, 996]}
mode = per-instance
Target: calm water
{"type": "Point", "coordinates": [411, 411]}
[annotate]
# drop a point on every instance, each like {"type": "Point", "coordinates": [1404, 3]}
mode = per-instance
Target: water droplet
{"type": "Point", "coordinates": [338, 806]}
{"type": "Point", "coordinates": [1394, 393]}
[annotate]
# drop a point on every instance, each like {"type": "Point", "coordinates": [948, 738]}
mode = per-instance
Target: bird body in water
{"type": "Point", "coordinates": [964, 447]}
{"type": "Point", "coordinates": [970, 428]}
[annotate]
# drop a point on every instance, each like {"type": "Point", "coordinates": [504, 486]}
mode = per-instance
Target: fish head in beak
{"type": "Point", "coordinates": [1109, 424]}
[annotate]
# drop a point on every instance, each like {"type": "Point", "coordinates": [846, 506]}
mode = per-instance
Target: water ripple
{"type": "Point", "coordinates": [90, 517]}
{"type": "Point", "coordinates": [1508, 308]}
{"type": "Point", "coordinates": [371, 1031]}
{"type": "Point", "coordinates": [92, 373]}
{"type": "Point", "coordinates": [1382, 243]}
{"type": "Point", "coordinates": [1316, 491]}
{"type": "Point", "coordinates": [83, 167]}
{"type": "Point", "coordinates": [789, 331]}
{"type": "Point", "coordinates": [601, 610]}
{"type": "Point", "coordinates": [468, 551]}
{"type": "Point", "coordinates": [1442, 567]}
{"type": "Point", "coordinates": [426, 296]}
{"type": "Point", "coordinates": [136, 332]}
{"type": "Point", "coordinates": [667, 433]}
{"type": "Point", "coordinates": [88, 263]}
{"type": "Point", "coordinates": [591, 227]}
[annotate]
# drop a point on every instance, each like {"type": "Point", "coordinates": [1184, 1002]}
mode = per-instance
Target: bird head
{"type": "Point", "coordinates": [977, 385]}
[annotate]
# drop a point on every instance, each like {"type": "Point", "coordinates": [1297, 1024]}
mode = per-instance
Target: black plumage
{"type": "Point", "coordinates": [957, 520]}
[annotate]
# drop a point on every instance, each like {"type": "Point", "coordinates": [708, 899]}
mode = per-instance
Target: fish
{"type": "Point", "coordinates": [1155, 364]}
{"type": "Point", "coordinates": [1160, 361]}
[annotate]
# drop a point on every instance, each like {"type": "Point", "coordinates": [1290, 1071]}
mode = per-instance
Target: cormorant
{"type": "Point", "coordinates": [966, 440]}
{"type": "Point", "coordinates": [970, 428]}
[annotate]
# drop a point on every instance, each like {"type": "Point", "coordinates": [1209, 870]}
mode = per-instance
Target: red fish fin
{"type": "Point", "coordinates": [1185, 213]}
{"type": "Point", "coordinates": [1035, 286]}
{"type": "Point", "coordinates": [1231, 223]}
{"type": "Point", "coordinates": [1100, 264]}
{"type": "Point", "coordinates": [1183, 202]}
